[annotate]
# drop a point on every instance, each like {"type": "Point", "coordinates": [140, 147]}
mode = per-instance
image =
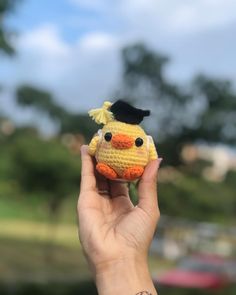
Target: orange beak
{"type": "Point", "coordinates": [122, 141]}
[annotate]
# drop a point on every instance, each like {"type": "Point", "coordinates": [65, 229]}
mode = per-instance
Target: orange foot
{"type": "Point", "coordinates": [106, 171]}
{"type": "Point", "coordinates": [132, 173]}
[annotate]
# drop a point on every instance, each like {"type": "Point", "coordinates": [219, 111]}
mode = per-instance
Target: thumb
{"type": "Point", "coordinates": [147, 189]}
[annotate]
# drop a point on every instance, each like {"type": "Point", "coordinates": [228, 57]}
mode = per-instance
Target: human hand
{"type": "Point", "coordinates": [115, 234]}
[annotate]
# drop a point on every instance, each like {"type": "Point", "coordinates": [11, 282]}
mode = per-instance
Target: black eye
{"type": "Point", "coordinates": [108, 136]}
{"type": "Point", "coordinates": [138, 142]}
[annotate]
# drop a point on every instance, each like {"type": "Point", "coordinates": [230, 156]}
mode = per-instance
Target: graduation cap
{"type": "Point", "coordinates": [124, 112]}
{"type": "Point", "coordinates": [120, 111]}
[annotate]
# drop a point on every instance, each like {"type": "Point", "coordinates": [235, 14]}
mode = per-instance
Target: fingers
{"type": "Point", "coordinates": [118, 189]}
{"type": "Point", "coordinates": [147, 189]}
{"type": "Point", "coordinates": [88, 180]}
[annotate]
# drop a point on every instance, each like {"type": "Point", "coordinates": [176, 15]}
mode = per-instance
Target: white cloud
{"type": "Point", "coordinates": [98, 41]}
{"type": "Point", "coordinates": [78, 74]}
{"type": "Point", "coordinates": [191, 16]}
{"type": "Point", "coordinates": [44, 38]}
{"type": "Point", "coordinates": [176, 16]}
{"type": "Point", "coordinates": [41, 56]}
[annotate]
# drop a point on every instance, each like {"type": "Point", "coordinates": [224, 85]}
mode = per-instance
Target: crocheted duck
{"type": "Point", "coordinates": [122, 148]}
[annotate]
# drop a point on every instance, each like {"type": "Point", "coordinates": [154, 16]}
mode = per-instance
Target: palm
{"type": "Point", "coordinates": [114, 224]}
{"type": "Point", "coordinates": [109, 223]}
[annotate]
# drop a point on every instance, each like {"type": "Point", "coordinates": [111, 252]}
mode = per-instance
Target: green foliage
{"type": "Point", "coordinates": [4, 43]}
{"type": "Point", "coordinates": [205, 110]}
{"type": "Point", "coordinates": [44, 103]}
{"type": "Point", "coordinates": [42, 167]}
{"type": "Point", "coordinates": [192, 197]}
{"type": "Point", "coordinates": [45, 166]}
{"type": "Point", "coordinates": [217, 123]}
{"type": "Point", "coordinates": [79, 124]}
{"type": "Point", "coordinates": [6, 6]}
{"type": "Point", "coordinates": [41, 100]}
{"type": "Point", "coordinates": [139, 62]}
{"type": "Point", "coordinates": [144, 80]}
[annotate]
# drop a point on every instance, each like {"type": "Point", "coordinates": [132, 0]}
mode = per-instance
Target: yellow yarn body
{"type": "Point", "coordinates": [121, 159]}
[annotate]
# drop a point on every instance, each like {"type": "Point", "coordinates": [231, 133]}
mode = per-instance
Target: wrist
{"type": "Point", "coordinates": [124, 276]}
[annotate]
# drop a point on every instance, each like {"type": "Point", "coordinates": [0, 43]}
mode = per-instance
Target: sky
{"type": "Point", "coordinates": [72, 47]}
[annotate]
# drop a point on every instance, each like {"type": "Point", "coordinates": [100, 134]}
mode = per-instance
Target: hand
{"type": "Point", "coordinates": [114, 234]}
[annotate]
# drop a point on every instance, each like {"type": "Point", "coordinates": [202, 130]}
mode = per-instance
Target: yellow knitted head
{"type": "Point", "coordinates": [123, 136]}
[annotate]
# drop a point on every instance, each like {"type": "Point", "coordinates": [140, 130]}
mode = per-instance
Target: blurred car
{"type": "Point", "coordinates": [200, 271]}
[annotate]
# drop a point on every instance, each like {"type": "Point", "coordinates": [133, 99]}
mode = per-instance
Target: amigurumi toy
{"type": "Point", "coordinates": [122, 148]}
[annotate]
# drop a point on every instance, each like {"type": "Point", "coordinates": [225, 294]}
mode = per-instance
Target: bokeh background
{"type": "Point", "coordinates": [58, 59]}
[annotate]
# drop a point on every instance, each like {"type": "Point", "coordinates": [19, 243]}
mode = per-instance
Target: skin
{"type": "Point", "coordinates": [114, 234]}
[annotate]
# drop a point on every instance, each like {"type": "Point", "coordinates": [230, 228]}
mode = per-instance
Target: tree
{"type": "Point", "coordinates": [204, 110]}
{"type": "Point", "coordinates": [6, 6]}
{"type": "Point", "coordinates": [144, 81]}
{"type": "Point", "coordinates": [44, 103]}
{"type": "Point", "coordinates": [45, 167]}
{"type": "Point", "coordinates": [217, 121]}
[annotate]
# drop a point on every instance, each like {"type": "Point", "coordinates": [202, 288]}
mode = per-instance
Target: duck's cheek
{"type": "Point", "coordinates": [141, 152]}
{"type": "Point", "coordinates": [105, 145]}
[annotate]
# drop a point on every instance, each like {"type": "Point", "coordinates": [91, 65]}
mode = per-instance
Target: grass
{"type": "Point", "coordinates": [24, 222]}
{"type": "Point", "coordinates": [40, 252]}
{"type": "Point", "coordinates": [39, 261]}
{"type": "Point", "coordinates": [37, 251]}
{"type": "Point", "coordinates": [63, 234]}
{"type": "Point", "coordinates": [27, 268]}
{"type": "Point", "coordinates": [34, 208]}
{"type": "Point", "coordinates": [34, 261]}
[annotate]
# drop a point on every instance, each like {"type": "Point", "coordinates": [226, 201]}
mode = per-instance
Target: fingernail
{"type": "Point", "coordinates": [160, 160]}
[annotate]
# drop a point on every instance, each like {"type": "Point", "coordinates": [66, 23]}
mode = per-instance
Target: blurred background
{"type": "Point", "coordinates": [58, 59]}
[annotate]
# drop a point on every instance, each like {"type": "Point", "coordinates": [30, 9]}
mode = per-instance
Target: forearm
{"type": "Point", "coordinates": [125, 277]}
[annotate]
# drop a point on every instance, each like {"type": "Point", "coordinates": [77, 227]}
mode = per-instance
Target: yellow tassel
{"type": "Point", "coordinates": [102, 115]}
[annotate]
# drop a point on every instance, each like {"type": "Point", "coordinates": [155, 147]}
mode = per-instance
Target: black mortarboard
{"type": "Point", "coordinates": [126, 113]}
